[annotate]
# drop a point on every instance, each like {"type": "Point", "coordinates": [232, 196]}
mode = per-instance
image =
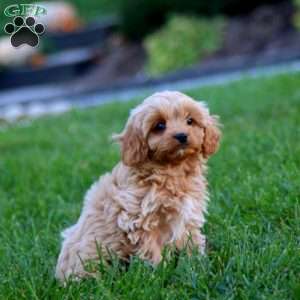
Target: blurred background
{"type": "Point", "coordinates": [101, 45]}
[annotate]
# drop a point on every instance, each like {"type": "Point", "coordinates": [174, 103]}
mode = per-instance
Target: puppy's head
{"type": "Point", "coordinates": [168, 127]}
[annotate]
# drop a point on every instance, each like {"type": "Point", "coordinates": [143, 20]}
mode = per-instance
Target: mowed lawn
{"type": "Point", "coordinates": [253, 226]}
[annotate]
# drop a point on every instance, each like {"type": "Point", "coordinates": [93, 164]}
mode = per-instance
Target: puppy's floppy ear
{"type": "Point", "coordinates": [134, 149]}
{"type": "Point", "coordinates": [212, 135]}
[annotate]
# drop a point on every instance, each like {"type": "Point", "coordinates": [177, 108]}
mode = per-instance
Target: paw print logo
{"type": "Point", "coordinates": [24, 31]}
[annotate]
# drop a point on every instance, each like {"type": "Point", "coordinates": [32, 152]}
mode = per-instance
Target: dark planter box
{"type": "Point", "coordinates": [92, 35]}
{"type": "Point", "coordinates": [67, 63]}
{"type": "Point", "coordinates": [59, 67]}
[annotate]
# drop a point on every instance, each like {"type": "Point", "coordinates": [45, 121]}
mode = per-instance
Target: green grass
{"type": "Point", "coordinates": [253, 226]}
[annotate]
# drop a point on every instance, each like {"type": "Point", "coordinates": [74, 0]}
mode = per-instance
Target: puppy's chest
{"type": "Point", "coordinates": [165, 206]}
{"type": "Point", "coordinates": [165, 197]}
{"type": "Point", "coordinates": [170, 207]}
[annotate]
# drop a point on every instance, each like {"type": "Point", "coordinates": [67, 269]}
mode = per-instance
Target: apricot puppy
{"type": "Point", "coordinates": [157, 194]}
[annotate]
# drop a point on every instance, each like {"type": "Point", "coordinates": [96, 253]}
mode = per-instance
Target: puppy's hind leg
{"type": "Point", "coordinates": [79, 248]}
{"type": "Point", "coordinates": [69, 261]}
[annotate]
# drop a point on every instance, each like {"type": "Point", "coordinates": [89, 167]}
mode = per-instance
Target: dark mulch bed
{"type": "Point", "coordinates": [266, 36]}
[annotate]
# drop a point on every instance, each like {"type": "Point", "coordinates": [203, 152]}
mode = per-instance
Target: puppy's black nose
{"type": "Point", "coordinates": [181, 137]}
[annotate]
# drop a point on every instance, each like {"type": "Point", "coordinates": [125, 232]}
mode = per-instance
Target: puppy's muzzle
{"type": "Point", "coordinates": [181, 137]}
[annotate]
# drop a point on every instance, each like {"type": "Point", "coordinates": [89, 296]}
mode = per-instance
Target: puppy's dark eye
{"type": "Point", "coordinates": [189, 121]}
{"type": "Point", "coordinates": [160, 126]}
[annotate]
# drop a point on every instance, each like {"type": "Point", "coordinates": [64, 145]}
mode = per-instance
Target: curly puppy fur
{"type": "Point", "coordinates": [156, 195]}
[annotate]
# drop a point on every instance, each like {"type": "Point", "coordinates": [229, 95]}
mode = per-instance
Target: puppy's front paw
{"type": "Point", "coordinates": [156, 259]}
{"type": "Point", "coordinates": [192, 241]}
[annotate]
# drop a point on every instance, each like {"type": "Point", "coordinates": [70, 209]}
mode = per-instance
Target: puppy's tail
{"type": "Point", "coordinates": [69, 231]}
{"type": "Point", "coordinates": [116, 137]}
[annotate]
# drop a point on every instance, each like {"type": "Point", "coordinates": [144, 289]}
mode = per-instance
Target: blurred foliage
{"type": "Point", "coordinates": [94, 8]}
{"type": "Point", "coordinates": [140, 17]}
{"type": "Point", "coordinates": [87, 10]}
{"type": "Point", "coordinates": [183, 41]}
{"type": "Point", "coordinates": [296, 19]}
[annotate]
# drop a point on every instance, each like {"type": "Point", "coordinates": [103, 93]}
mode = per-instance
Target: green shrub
{"type": "Point", "coordinates": [183, 41]}
{"type": "Point", "coordinates": [141, 17]}
{"type": "Point", "coordinates": [296, 18]}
